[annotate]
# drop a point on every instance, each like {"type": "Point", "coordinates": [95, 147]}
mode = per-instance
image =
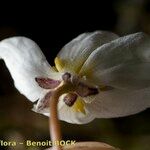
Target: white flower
{"type": "Point", "coordinates": [111, 74]}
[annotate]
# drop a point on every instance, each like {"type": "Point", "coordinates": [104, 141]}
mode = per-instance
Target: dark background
{"type": "Point", "coordinates": [51, 25]}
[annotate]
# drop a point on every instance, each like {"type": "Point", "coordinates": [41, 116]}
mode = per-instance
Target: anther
{"type": "Point", "coordinates": [66, 76]}
{"type": "Point", "coordinates": [84, 90]}
{"type": "Point", "coordinates": [70, 99]}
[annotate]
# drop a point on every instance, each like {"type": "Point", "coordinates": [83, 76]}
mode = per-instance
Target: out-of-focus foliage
{"type": "Point", "coordinates": [133, 15]}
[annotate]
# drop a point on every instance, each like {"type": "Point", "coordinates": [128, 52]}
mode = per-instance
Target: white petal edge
{"type": "Point", "coordinates": [25, 61]}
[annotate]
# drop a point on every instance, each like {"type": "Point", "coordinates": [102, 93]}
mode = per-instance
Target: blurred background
{"type": "Point", "coordinates": [51, 25]}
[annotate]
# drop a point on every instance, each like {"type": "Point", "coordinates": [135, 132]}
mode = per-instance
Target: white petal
{"type": "Point", "coordinates": [122, 63]}
{"type": "Point", "coordinates": [129, 76]}
{"type": "Point", "coordinates": [67, 114]}
{"type": "Point", "coordinates": [25, 61]}
{"type": "Point", "coordinates": [119, 103]}
{"type": "Point", "coordinates": [75, 53]}
{"type": "Point", "coordinates": [107, 104]}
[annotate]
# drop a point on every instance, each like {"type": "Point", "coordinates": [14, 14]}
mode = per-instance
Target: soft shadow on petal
{"type": "Point", "coordinates": [129, 76]}
{"type": "Point", "coordinates": [26, 61]}
{"type": "Point", "coordinates": [118, 103]}
{"type": "Point", "coordinates": [75, 53]}
{"type": "Point", "coordinates": [128, 53]}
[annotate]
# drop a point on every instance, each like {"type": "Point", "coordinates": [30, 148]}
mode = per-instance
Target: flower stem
{"type": "Point", "coordinates": [55, 130]}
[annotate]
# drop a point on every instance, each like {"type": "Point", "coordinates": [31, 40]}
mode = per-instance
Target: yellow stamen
{"type": "Point", "coordinates": [79, 106]}
{"type": "Point", "coordinates": [55, 68]}
{"type": "Point", "coordinates": [88, 73]}
{"type": "Point", "coordinates": [59, 64]}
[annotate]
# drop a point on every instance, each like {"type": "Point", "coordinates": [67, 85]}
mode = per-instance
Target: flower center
{"type": "Point", "coordinates": [75, 91]}
{"type": "Point", "coordinates": [81, 89]}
